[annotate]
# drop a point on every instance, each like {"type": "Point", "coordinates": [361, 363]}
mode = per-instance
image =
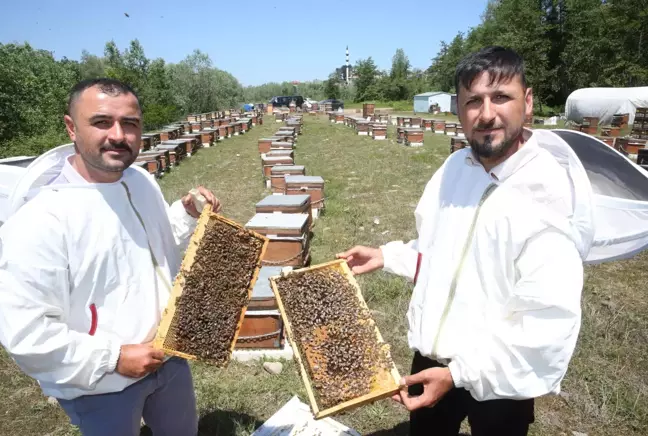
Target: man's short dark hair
{"type": "Point", "coordinates": [112, 87]}
{"type": "Point", "coordinates": [502, 64]}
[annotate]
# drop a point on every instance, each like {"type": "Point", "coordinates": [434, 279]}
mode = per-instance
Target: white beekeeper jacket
{"type": "Point", "coordinates": [84, 269]}
{"type": "Point", "coordinates": [498, 286]}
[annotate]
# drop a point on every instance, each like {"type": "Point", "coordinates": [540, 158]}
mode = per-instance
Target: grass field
{"type": "Point", "coordinates": [369, 182]}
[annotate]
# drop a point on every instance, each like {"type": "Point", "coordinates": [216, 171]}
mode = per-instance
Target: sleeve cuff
{"type": "Point", "coordinates": [455, 371]}
{"type": "Point", "coordinates": [113, 356]}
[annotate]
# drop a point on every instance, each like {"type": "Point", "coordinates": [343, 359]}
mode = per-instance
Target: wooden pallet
{"type": "Point", "coordinates": [387, 382]}
{"type": "Point", "coordinates": [164, 337]}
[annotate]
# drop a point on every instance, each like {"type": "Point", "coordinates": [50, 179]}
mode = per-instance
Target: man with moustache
{"type": "Point", "coordinates": [503, 227]}
{"type": "Point", "coordinates": [87, 262]}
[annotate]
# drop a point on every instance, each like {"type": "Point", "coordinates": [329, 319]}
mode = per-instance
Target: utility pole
{"type": "Point", "coordinates": [347, 65]}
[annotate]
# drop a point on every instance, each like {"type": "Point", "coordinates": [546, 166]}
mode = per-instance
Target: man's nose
{"type": "Point", "coordinates": [116, 133]}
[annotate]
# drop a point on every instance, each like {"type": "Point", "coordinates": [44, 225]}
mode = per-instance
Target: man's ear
{"type": "Point", "coordinates": [69, 126]}
{"type": "Point", "coordinates": [528, 100]}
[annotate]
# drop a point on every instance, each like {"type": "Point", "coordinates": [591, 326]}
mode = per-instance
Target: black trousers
{"type": "Point", "coordinates": [486, 418]}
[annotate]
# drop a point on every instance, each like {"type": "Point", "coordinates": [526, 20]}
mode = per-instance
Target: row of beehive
{"type": "Point", "coordinates": [285, 217]}
{"type": "Point", "coordinates": [163, 149]}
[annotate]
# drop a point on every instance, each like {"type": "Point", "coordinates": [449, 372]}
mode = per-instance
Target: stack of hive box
{"type": "Point", "coordinates": [640, 124]}
{"type": "Point", "coordinates": [285, 217]}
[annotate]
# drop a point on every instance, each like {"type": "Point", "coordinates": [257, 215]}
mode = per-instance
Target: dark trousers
{"type": "Point", "coordinates": [486, 418]}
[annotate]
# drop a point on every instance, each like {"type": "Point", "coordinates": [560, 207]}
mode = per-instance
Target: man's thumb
{"type": "Point", "coordinates": [412, 379]}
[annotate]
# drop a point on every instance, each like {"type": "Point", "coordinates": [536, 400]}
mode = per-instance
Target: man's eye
{"type": "Point", "coordinates": [101, 123]}
{"type": "Point", "coordinates": [501, 98]}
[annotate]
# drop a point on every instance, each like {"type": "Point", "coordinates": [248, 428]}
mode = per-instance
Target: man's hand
{"type": "Point", "coordinates": [436, 383]}
{"type": "Point", "coordinates": [190, 207]}
{"type": "Point", "coordinates": [137, 360]}
{"type": "Point", "coordinates": [363, 259]}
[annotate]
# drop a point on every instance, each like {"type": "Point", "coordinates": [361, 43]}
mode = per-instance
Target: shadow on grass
{"type": "Point", "coordinates": [401, 429]}
{"type": "Point", "coordinates": [221, 423]}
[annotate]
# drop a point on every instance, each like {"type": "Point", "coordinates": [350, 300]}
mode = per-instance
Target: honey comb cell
{"type": "Point", "coordinates": [219, 270]}
{"type": "Point", "coordinates": [334, 333]}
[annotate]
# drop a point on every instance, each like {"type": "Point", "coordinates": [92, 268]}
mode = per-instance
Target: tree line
{"type": "Point", "coordinates": [34, 87]}
{"type": "Point", "coordinates": [566, 45]}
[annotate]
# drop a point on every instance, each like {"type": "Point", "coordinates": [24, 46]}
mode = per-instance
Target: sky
{"type": "Point", "coordinates": [256, 41]}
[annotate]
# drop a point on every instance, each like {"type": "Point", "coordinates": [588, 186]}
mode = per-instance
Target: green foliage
{"type": "Point", "coordinates": [566, 44]}
{"type": "Point", "coordinates": [34, 89]}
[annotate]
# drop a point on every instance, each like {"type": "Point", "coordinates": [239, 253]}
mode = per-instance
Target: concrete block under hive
{"type": "Point", "coordinates": [379, 132]}
{"type": "Point", "coordinates": [277, 173]}
{"type": "Point", "coordinates": [288, 235]}
{"type": "Point", "coordinates": [282, 203]}
{"type": "Point", "coordinates": [268, 162]}
{"type": "Point", "coordinates": [413, 137]}
{"type": "Point", "coordinates": [311, 185]}
{"type": "Point", "coordinates": [451, 129]}
{"type": "Point", "coordinates": [426, 124]}
{"type": "Point", "coordinates": [439, 126]}
{"type": "Point", "coordinates": [211, 293]}
{"type": "Point", "coordinates": [343, 359]}
{"type": "Point", "coordinates": [362, 127]}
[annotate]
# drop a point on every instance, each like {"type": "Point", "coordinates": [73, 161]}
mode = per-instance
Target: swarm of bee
{"type": "Point", "coordinates": [215, 292]}
{"type": "Point", "coordinates": [333, 331]}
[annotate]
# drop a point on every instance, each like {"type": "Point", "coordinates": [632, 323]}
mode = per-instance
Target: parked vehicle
{"type": "Point", "coordinates": [284, 101]}
{"type": "Point", "coordinates": [335, 103]}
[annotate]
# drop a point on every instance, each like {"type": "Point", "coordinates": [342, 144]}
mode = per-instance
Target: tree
{"type": "Point", "coordinates": [366, 78]}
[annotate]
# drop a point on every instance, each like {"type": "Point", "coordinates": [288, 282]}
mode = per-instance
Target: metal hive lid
{"type": "Point", "coordinates": [282, 168]}
{"type": "Point", "coordinates": [280, 221]}
{"type": "Point", "coordinates": [262, 288]}
{"type": "Point", "coordinates": [304, 179]}
{"type": "Point", "coordinates": [284, 200]}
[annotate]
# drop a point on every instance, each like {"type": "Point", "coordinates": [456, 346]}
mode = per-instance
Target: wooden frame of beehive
{"type": "Point", "coordinates": [387, 382]}
{"type": "Point", "coordinates": [168, 316]}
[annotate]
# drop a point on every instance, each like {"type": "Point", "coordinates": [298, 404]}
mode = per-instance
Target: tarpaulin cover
{"type": "Point", "coordinates": [620, 189]}
{"type": "Point", "coordinates": [605, 102]}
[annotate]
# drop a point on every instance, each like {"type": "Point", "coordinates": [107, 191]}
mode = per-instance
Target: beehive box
{"type": "Point", "coordinates": [426, 124]}
{"type": "Point", "coordinates": [413, 137]}
{"type": "Point", "coordinates": [176, 152]}
{"type": "Point", "coordinates": [415, 123]}
{"type": "Point", "coordinates": [451, 129]}
{"type": "Point", "coordinates": [339, 118]}
{"type": "Point", "coordinates": [342, 357]}
{"type": "Point", "coordinates": [311, 185]}
{"type": "Point", "coordinates": [192, 146]}
{"type": "Point", "coordinates": [286, 204]}
{"type": "Point", "coordinates": [458, 144]}
{"type": "Point", "coordinates": [277, 173]}
{"type": "Point", "coordinates": [262, 297]}
{"type": "Point", "coordinates": [439, 126]}
{"type": "Point", "coordinates": [288, 235]}
{"type": "Point", "coordinates": [379, 132]}
{"type": "Point", "coordinates": [155, 138]}
{"type": "Point", "coordinates": [151, 164]}
{"type": "Point", "coordinates": [162, 156]}
{"type": "Point", "coordinates": [145, 142]}
{"type": "Point", "coordinates": [281, 145]}
{"type": "Point", "coordinates": [281, 153]}
{"type": "Point", "coordinates": [267, 162]}
{"type": "Point", "coordinates": [211, 292]}
{"type": "Point", "coordinates": [206, 138]}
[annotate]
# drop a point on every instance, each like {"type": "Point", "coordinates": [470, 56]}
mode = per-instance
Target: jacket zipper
{"type": "Point", "coordinates": [156, 265]}
{"type": "Point", "coordinates": [453, 285]}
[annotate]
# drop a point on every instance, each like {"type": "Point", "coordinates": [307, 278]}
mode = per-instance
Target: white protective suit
{"type": "Point", "coordinates": [498, 287]}
{"type": "Point", "coordinates": [84, 269]}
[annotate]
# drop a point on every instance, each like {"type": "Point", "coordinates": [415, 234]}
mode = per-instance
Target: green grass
{"type": "Point", "coordinates": [606, 388]}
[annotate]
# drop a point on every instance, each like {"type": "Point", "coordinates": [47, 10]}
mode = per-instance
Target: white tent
{"type": "Point", "coordinates": [605, 102]}
{"type": "Point", "coordinates": [620, 188]}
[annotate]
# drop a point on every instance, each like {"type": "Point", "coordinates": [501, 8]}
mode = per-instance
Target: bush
{"type": "Point", "coordinates": [33, 146]}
